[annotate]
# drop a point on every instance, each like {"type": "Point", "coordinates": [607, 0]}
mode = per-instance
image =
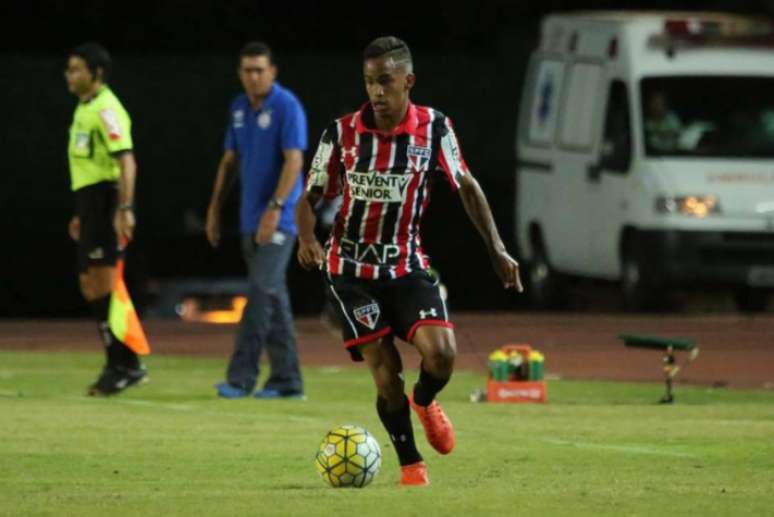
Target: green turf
{"type": "Point", "coordinates": [171, 448]}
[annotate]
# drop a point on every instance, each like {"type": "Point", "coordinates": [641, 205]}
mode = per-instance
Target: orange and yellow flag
{"type": "Point", "coordinates": [123, 319]}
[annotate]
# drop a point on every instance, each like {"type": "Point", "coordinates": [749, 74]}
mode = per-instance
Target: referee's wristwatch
{"type": "Point", "coordinates": [276, 203]}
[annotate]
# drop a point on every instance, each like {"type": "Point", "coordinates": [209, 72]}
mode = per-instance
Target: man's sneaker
{"type": "Point", "coordinates": [229, 391]}
{"type": "Point", "coordinates": [438, 428]}
{"type": "Point", "coordinates": [115, 379]}
{"type": "Point", "coordinates": [271, 393]}
{"type": "Point", "coordinates": [414, 474]}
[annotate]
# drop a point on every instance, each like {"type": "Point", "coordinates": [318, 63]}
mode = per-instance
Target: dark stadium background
{"type": "Point", "coordinates": [175, 71]}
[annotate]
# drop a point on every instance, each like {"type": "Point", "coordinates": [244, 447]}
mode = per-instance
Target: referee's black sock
{"type": "Point", "coordinates": [116, 353]}
{"type": "Point", "coordinates": [398, 426]}
{"type": "Point", "coordinates": [427, 387]}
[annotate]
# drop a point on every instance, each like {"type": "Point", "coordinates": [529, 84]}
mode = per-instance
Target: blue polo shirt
{"type": "Point", "coordinates": [259, 137]}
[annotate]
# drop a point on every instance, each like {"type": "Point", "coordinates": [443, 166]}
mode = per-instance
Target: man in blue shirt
{"type": "Point", "coordinates": [266, 137]}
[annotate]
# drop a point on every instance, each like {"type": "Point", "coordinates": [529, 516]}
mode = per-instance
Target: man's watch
{"type": "Point", "coordinates": [276, 203]}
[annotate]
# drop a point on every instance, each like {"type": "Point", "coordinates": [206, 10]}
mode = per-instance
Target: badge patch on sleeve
{"type": "Point", "coordinates": [368, 315]}
{"type": "Point", "coordinates": [110, 119]}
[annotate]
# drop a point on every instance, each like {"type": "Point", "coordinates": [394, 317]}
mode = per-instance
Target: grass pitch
{"type": "Point", "coordinates": [171, 448]}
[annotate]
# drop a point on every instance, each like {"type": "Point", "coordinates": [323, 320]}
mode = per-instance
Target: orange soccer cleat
{"type": "Point", "coordinates": [414, 474]}
{"type": "Point", "coordinates": [438, 428]}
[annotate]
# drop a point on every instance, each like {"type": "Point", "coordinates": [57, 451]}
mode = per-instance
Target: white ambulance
{"type": "Point", "coordinates": [646, 155]}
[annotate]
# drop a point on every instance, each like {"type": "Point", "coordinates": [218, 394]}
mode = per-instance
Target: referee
{"type": "Point", "coordinates": [102, 173]}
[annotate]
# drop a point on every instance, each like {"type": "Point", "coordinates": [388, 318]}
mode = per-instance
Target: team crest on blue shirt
{"type": "Point", "coordinates": [239, 119]}
{"type": "Point", "coordinates": [368, 315]}
{"type": "Point", "coordinates": [418, 157]}
{"type": "Point", "coordinates": [264, 119]}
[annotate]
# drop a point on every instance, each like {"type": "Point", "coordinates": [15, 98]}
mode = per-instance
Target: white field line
{"type": "Point", "coordinates": [629, 449]}
{"type": "Point", "coordinates": [192, 408]}
{"type": "Point", "coordinates": [141, 402]}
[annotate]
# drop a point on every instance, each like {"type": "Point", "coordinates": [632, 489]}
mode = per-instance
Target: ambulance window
{"type": "Point", "coordinates": [617, 142]}
{"type": "Point", "coordinates": [580, 106]}
{"type": "Point", "coordinates": [545, 102]}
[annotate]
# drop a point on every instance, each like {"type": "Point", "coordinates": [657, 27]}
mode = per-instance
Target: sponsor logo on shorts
{"type": "Point", "coordinates": [372, 186]}
{"type": "Point", "coordinates": [423, 315]}
{"type": "Point", "coordinates": [367, 315]}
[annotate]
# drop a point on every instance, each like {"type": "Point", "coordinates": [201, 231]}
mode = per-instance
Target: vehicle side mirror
{"type": "Point", "coordinates": [615, 157]}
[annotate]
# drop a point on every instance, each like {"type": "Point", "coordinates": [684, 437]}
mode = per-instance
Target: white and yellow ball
{"type": "Point", "coordinates": [349, 456]}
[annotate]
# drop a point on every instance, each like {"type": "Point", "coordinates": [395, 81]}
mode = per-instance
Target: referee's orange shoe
{"type": "Point", "coordinates": [414, 474]}
{"type": "Point", "coordinates": [438, 428]}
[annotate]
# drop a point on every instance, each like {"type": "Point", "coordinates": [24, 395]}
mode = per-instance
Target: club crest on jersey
{"type": "Point", "coordinates": [264, 119]}
{"type": "Point", "coordinates": [418, 157]}
{"type": "Point", "coordinates": [368, 315]}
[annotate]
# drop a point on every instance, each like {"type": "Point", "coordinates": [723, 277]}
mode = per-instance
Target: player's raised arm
{"type": "Point", "coordinates": [477, 207]}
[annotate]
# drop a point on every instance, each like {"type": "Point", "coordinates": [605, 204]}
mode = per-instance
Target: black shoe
{"type": "Point", "coordinates": [115, 379]}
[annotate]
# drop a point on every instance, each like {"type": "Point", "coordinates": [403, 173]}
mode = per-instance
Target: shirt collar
{"type": "Point", "coordinates": [407, 125]}
{"type": "Point", "coordinates": [268, 100]}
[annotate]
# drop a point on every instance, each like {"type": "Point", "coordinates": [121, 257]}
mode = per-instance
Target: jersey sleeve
{"type": "Point", "coordinates": [115, 126]}
{"type": "Point", "coordinates": [293, 129]}
{"type": "Point", "coordinates": [450, 159]}
{"type": "Point", "coordinates": [325, 174]}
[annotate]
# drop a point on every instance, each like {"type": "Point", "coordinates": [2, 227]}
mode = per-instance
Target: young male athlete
{"type": "Point", "coordinates": [381, 159]}
{"type": "Point", "coordinates": [102, 172]}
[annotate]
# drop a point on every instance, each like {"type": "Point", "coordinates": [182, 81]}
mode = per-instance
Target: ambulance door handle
{"type": "Point", "coordinates": [594, 172]}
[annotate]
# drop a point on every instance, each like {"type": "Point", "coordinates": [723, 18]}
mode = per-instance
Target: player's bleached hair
{"type": "Point", "coordinates": [390, 46]}
{"type": "Point", "coordinates": [96, 58]}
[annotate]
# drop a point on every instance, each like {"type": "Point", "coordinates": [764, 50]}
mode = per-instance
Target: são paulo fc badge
{"type": "Point", "coordinates": [264, 119]}
{"type": "Point", "coordinates": [368, 315]}
{"type": "Point", "coordinates": [418, 157]}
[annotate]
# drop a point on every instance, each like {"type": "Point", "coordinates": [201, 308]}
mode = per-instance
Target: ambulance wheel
{"type": "Point", "coordinates": [639, 280]}
{"type": "Point", "coordinates": [546, 287]}
{"type": "Point", "coordinates": [749, 299]}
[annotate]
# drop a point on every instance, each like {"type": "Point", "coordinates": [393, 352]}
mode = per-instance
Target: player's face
{"type": "Point", "coordinates": [257, 74]}
{"type": "Point", "coordinates": [388, 86]}
{"type": "Point", "coordinates": [79, 77]}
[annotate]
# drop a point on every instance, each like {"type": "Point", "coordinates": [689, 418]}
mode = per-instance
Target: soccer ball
{"type": "Point", "coordinates": [348, 456]}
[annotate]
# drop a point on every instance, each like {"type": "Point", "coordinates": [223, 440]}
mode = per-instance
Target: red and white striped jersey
{"type": "Point", "coordinates": [384, 178]}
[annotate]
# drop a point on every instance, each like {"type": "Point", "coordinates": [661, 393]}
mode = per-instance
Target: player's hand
{"type": "Point", "coordinates": [310, 253]}
{"type": "Point", "coordinates": [123, 223]}
{"type": "Point", "coordinates": [267, 226]}
{"type": "Point", "coordinates": [507, 269]}
{"type": "Point", "coordinates": [74, 228]}
{"type": "Point", "coordinates": [212, 227]}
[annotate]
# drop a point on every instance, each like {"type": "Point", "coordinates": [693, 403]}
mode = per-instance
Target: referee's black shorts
{"type": "Point", "coordinates": [371, 309]}
{"type": "Point", "coordinates": [95, 206]}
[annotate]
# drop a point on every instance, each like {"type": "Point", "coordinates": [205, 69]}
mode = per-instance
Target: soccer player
{"type": "Point", "coordinates": [102, 172]}
{"type": "Point", "coordinates": [265, 139]}
{"type": "Point", "coordinates": [381, 159]}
